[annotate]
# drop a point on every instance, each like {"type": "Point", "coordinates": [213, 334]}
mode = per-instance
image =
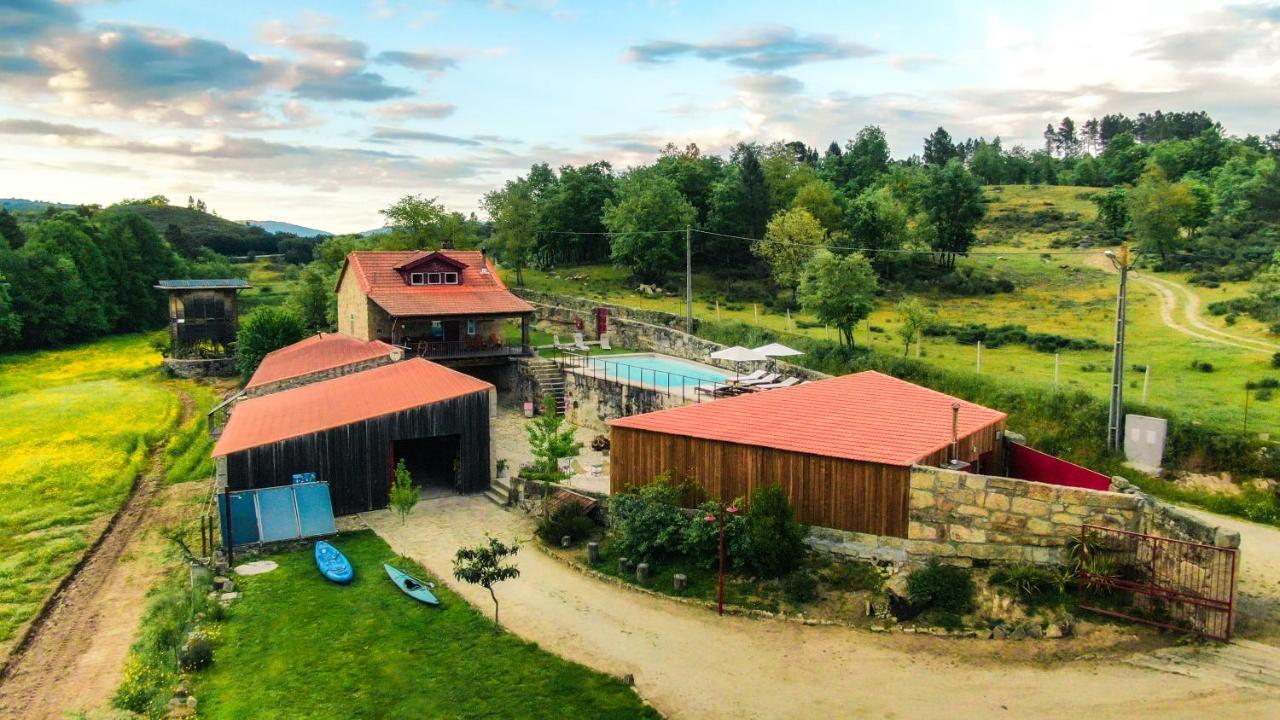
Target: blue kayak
{"type": "Point", "coordinates": [333, 564]}
{"type": "Point", "coordinates": [411, 586]}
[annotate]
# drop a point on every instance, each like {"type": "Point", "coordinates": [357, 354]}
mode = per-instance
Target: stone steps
{"type": "Point", "coordinates": [550, 379]}
{"type": "Point", "coordinates": [499, 491]}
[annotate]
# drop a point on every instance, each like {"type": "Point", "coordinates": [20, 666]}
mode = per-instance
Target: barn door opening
{"type": "Point", "coordinates": [432, 462]}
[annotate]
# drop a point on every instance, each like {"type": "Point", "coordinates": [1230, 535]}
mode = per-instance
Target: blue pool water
{"type": "Point", "coordinates": [659, 370]}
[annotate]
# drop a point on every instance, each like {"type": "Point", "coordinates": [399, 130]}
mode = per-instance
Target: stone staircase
{"type": "Point", "coordinates": [550, 379]}
{"type": "Point", "coordinates": [500, 491]}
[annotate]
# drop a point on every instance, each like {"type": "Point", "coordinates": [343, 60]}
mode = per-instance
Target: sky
{"type": "Point", "coordinates": [321, 113]}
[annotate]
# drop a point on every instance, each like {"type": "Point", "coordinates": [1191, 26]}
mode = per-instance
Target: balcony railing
{"type": "Point", "coordinates": [436, 349]}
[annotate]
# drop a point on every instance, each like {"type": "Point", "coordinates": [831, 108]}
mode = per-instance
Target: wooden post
{"type": "Point", "coordinates": [1146, 380]}
{"type": "Point", "coordinates": [755, 309]}
{"type": "Point", "coordinates": [1057, 357]}
{"type": "Point", "coordinates": [978, 360]}
{"type": "Point", "coordinates": [788, 319]}
{"type": "Point", "coordinates": [717, 310]}
{"type": "Point", "coordinates": [226, 501]}
{"type": "Point", "coordinates": [919, 340]}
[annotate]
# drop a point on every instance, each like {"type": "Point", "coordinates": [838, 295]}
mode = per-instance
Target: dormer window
{"type": "Point", "coordinates": [451, 278]}
{"type": "Point", "coordinates": [433, 278]}
{"type": "Point", "coordinates": [417, 278]}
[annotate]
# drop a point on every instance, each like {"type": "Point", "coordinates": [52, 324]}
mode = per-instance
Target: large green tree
{"type": "Point", "coordinates": [790, 242]}
{"type": "Point", "coordinates": [840, 290]}
{"type": "Point", "coordinates": [939, 149]}
{"type": "Point", "coordinates": [1158, 211]}
{"type": "Point", "coordinates": [262, 331]}
{"type": "Point", "coordinates": [648, 207]}
{"type": "Point", "coordinates": [10, 232]}
{"type": "Point", "coordinates": [952, 201]}
{"type": "Point", "coordinates": [514, 213]}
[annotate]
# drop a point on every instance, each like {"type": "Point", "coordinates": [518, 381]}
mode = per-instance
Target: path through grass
{"type": "Point", "coordinates": [297, 646]}
{"type": "Point", "coordinates": [75, 428]}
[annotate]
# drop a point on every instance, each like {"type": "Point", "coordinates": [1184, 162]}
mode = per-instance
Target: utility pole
{"type": "Point", "coordinates": [1115, 422]}
{"type": "Point", "coordinates": [688, 279]}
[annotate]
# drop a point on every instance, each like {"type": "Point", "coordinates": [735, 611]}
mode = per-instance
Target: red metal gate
{"type": "Point", "coordinates": [1169, 583]}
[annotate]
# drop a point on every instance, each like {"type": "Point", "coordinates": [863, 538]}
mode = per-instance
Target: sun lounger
{"type": "Point", "coordinates": [785, 382]}
{"type": "Point", "coordinates": [604, 342]}
{"type": "Point", "coordinates": [580, 343]}
{"type": "Point", "coordinates": [763, 380]}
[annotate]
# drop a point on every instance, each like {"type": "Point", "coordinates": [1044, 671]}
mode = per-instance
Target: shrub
{"type": "Point", "coordinates": [1027, 582]}
{"type": "Point", "coordinates": [772, 540]}
{"type": "Point", "coordinates": [800, 587]}
{"type": "Point", "coordinates": [568, 519]}
{"type": "Point", "coordinates": [196, 653]}
{"type": "Point", "coordinates": [1202, 366]}
{"type": "Point", "coordinates": [701, 542]}
{"type": "Point", "coordinates": [1275, 360]}
{"type": "Point", "coordinates": [945, 587]}
{"type": "Point", "coordinates": [853, 576]}
{"type": "Point", "coordinates": [647, 523]}
{"type": "Point", "coordinates": [404, 496]}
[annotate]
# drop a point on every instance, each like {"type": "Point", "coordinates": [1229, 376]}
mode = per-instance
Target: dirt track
{"type": "Point", "coordinates": [691, 664]}
{"type": "Point", "coordinates": [75, 650]}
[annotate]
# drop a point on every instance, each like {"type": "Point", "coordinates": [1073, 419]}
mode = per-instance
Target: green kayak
{"type": "Point", "coordinates": [411, 586]}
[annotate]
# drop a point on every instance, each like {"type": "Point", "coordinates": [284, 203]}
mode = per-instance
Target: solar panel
{"type": "Point", "coordinates": [276, 514]}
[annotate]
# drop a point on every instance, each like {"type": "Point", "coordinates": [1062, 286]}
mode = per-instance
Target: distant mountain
{"type": "Point", "coordinates": [21, 205]}
{"type": "Point", "coordinates": [375, 231]}
{"type": "Point", "coordinates": [276, 226]}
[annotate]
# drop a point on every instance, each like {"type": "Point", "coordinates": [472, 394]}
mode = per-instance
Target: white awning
{"type": "Point", "coordinates": [777, 350]}
{"type": "Point", "coordinates": [737, 353]}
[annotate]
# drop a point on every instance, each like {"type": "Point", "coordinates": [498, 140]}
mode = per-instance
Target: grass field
{"type": "Point", "coordinates": [77, 424]}
{"type": "Point", "coordinates": [1058, 292]}
{"type": "Point", "coordinates": [268, 286]}
{"type": "Point", "coordinates": [297, 646]}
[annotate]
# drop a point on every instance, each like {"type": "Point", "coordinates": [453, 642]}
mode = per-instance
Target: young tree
{"type": "Point", "coordinates": [1113, 213]}
{"type": "Point", "coordinates": [263, 330]}
{"type": "Point", "coordinates": [647, 202]}
{"type": "Point", "coordinates": [550, 441]}
{"type": "Point", "coordinates": [953, 203]}
{"type": "Point", "coordinates": [915, 316]}
{"type": "Point", "coordinates": [790, 241]}
{"type": "Point", "coordinates": [313, 300]}
{"type": "Point", "coordinates": [486, 566]}
{"type": "Point", "coordinates": [839, 290]}
{"type": "Point", "coordinates": [1158, 211]}
{"type": "Point", "coordinates": [404, 496]}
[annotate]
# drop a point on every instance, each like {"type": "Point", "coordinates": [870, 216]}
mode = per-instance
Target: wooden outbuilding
{"type": "Point", "coordinates": [351, 431]}
{"type": "Point", "coordinates": [842, 448]}
{"type": "Point", "coordinates": [203, 315]}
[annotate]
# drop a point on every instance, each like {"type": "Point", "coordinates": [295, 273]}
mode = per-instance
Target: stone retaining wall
{"type": "Point", "coordinates": [592, 401]}
{"type": "Point", "coordinates": [189, 368]}
{"type": "Point", "coordinates": [965, 517]}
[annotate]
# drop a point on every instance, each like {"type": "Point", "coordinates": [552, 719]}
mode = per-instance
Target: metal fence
{"type": "Point", "coordinates": [1168, 583]}
{"type": "Point", "coordinates": [686, 387]}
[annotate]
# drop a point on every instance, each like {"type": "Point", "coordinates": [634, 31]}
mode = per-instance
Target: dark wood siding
{"type": "Point", "coordinates": [356, 459]}
{"type": "Point", "coordinates": [827, 492]}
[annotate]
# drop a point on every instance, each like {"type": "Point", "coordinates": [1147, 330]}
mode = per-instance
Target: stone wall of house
{"type": "Point", "coordinates": [964, 517]}
{"type": "Point", "coordinates": [328, 374]}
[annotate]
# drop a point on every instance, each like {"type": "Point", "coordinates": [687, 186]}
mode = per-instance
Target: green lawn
{"type": "Point", "coordinates": [297, 646]}
{"type": "Point", "coordinates": [269, 286]}
{"type": "Point", "coordinates": [76, 429]}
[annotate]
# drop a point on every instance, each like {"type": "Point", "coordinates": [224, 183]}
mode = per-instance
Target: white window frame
{"type": "Point", "coordinates": [433, 278]}
{"type": "Point", "coordinates": [450, 278]}
{"type": "Point", "coordinates": [417, 278]}
{"type": "Point", "coordinates": [471, 326]}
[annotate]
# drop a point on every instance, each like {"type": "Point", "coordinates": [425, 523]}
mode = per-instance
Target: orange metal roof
{"type": "Point", "coordinates": [323, 351]}
{"type": "Point", "coordinates": [478, 293]}
{"type": "Point", "coordinates": [866, 416]}
{"type": "Point", "coordinates": [348, 399]}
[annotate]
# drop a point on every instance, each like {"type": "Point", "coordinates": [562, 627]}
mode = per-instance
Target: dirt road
{"type": "Point", "coordinates": [690, 663]}
{"type": "Point", "coordinates": [1174, 297]}
{"type": "Point", "coordinates": [75, 651]}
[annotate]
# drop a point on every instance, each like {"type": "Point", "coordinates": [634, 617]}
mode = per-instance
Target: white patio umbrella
{"type": "Point", "coordinates": [738, 354]}
{"type": "Point", "coordinates": [777, 350]}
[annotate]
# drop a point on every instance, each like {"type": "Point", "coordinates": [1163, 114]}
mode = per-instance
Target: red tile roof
{"type": "Point", "coordinates": [323, 351]}
{"type": "Point", "coordinates": [348, 399]}
{"type": "Point", "coordinates": [478, 293]}
{"type": "Point", "coordinates": [866, 416]}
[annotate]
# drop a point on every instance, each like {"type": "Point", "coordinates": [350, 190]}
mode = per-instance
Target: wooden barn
{"type": "Point", "coordinates": [203, 314]}
{"type": "Point", "coordinates": [350, 432]}
{"type": "Point", "coordinates": [842, 448]}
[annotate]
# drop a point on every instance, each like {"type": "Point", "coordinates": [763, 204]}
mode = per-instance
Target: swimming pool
{"type": "Point", "coordinates": [662, 371]}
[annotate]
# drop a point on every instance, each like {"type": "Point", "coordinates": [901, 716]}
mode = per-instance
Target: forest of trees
{"type": "Point", "coordinates": [73, 275]}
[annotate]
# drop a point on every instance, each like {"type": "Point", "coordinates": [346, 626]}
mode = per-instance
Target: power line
{"type": "Point", "coordinates": [609, 234]}
{"type": "Point", "coordinates": [904, 251]}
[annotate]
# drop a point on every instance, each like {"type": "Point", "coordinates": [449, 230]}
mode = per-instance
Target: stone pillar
{"type": "Point", "coordinates": [642, 573]}
{"type": "Point", "coordinates": [593, 552]}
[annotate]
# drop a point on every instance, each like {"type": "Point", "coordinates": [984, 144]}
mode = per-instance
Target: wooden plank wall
{"type": "Point", "coordinates": [828, 492]}
{"type": "Point", "coordinates": [355, 459]}
{"type": "Point", "coordinates": [973, 446]}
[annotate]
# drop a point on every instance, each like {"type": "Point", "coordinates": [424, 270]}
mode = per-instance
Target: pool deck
{"type": "Point", "coordinates": [609, 371]}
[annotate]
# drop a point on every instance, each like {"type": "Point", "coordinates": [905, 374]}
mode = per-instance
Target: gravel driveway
{"type": "Point", "coordinates": [689, 663]}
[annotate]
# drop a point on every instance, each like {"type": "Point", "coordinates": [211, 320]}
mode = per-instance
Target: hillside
{"type": "Point", "coordinates": [24, 205]}
{"type": "Point", "coordinates": [218, 234]}
{"type": "Point", "coordinates": [276, 226]}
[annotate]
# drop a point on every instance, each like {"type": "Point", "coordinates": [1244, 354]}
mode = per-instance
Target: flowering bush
{"type": "Point", "coordinates": [647, 523]}
{"type": "Point", "coordinates": [702, 535]}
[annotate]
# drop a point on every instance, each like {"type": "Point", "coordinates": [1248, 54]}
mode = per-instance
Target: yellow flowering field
{"type": "Point", "coordinates": [75, 426]}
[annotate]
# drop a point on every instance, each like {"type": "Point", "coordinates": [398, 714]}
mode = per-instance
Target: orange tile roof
{"type": "Point", "coordinates": [478, 293]}
{"type": "Point", "coordinates": [323, 351]}
{"type": "Point", "coordinates": [866, 416]}
{"type": "Point", "coordinates": [348, 399]}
